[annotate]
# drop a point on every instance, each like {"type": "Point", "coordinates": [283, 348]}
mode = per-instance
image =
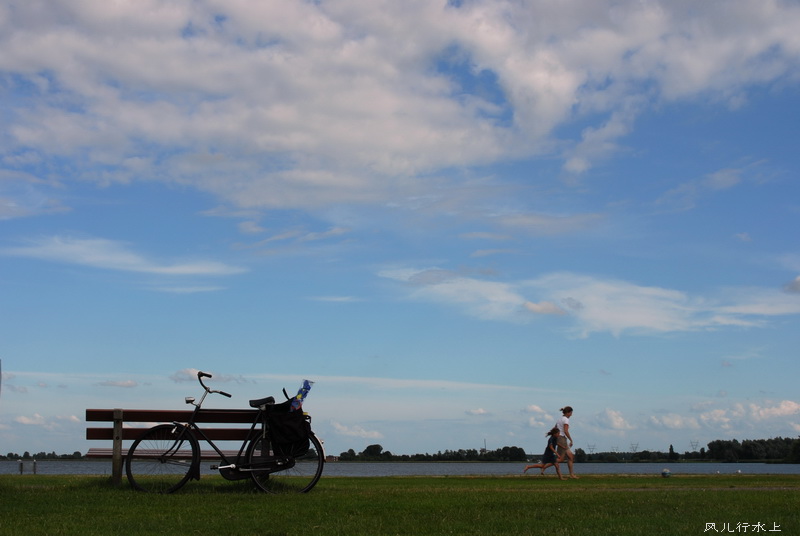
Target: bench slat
{"type": "Point", "coordinates": [204, 454]}
{"type": "Point", "coordinates": [180, 415]}
{"type": "Point", "coordinates": [216, 434]}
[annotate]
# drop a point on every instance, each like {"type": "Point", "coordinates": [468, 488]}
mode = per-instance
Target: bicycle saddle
{"type": "Point", "coordinates": [262, 402]}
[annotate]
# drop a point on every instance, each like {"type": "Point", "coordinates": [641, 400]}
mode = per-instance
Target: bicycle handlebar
{"type": "Point", "coordinates": [201, 375]}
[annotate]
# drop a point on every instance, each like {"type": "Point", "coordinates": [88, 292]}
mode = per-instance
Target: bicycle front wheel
{"type": "Point", "coordinates": [163, 459]}
{"type": "Point", "coordinates": [285, 471]}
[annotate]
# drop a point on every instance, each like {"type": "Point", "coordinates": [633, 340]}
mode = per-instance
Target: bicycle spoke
{"type": "Point", "coordinates": [285, 473]}
{"type": "Point", "coordinates": [159, 462]}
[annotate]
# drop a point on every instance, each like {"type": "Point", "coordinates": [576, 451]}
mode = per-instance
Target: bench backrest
{"type": "Point", "coordinates": [151, 417]}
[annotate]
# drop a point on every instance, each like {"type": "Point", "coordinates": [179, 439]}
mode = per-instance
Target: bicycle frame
{"type": "Point", "coordinates": [159, 460]}
{"type": "Point", "coordinates": [237, 469]}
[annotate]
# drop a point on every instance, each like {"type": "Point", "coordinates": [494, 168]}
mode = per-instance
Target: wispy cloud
{"type": "Point", "coordinates": [595, 305]}
{"type": "Point", "coordinates": [190, 375]}
{"type": "Point", "coordinates": [686, 195]}
{"type": "Point", "coordinates": [188, 290]}
{"type": "Point", "coordinates": [484, 299]}
{"type": "Point", "coordinates": [547, 224]}
{"type": "Point", "coordinates": [490, 252]}
{"type": "Point", "coordinates": [112, 255]}
{"type": "Point", "coordinates": [482, 235]}
{"type": "Point", "coordinates": [126, 384]}
{"type": "Point", "coordinates": [330, 233]}
{"type": "Point", "coordinates": [334, 299]}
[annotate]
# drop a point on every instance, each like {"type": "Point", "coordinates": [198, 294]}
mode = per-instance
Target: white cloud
{"type": "Point", "coordinates": [53, 423]}
{"type": "Point", "coordinates": [544, 308]}
{"type": "Point", "coordinates": [716, 418]}
{"type": "Point", "coordinates": [539, 416]}
{"type": "Point", "coordinates": [184, 375]}
{"type": "Point", "coordinates": [612, 420]}
{"type": "Point", "coordinates": [274, 119]}
{"type": "Point", "coordinates": [739, 417]}
{"type": "Point", "coordinates": [356, 431]}
{"type": "Point", "coordinates": [783, 409]}
{"type": "Point", "coordinates": [674, 421]}
{"type": "Point", "coordinates": [793, 286]}
{"type": "Point", "coordinates": [478, 412]}
{"type": "Point", "coordinates": [533, 408]}
{"type": "Point", "coordinates": [36, 420]}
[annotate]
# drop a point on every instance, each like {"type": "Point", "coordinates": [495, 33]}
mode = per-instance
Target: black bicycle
{"type": "Point", "coordinates": [280, 453]}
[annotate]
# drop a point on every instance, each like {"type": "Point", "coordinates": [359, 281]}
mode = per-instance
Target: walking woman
{"type": "Point", "coordinates": [564, 448]}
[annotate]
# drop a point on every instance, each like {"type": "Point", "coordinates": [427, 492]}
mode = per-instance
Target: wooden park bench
{"type": "Point", "coordinates": [237, 421]}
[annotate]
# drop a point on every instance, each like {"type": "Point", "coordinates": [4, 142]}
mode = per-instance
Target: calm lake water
{"type": "Point", "coordinates": [103, 467]}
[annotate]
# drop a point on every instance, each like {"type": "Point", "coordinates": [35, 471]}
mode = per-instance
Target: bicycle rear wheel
{"type": "Point", "coordinates": [163, 459]}
{"type": "Point", "coordinates": [285, 473]}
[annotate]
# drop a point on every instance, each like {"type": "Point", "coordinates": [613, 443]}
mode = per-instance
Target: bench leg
{"type": "Point", "coordinates": [116, 454]}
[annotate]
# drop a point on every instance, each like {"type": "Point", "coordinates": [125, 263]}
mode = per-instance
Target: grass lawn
{"type": "Point", "coordinates": [594, 505]}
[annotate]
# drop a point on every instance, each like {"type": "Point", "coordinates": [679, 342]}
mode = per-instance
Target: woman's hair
{"type": "Point", "coordinates": [554, 431]}
{"type": "Point", "coordinates": [566, 409]}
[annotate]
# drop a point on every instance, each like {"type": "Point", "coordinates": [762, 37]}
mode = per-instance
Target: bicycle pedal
{"type": "Point", "coordinates": [214, 467]}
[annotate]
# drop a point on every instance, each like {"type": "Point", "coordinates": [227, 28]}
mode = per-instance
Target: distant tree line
{"type": "Point", "coordinates": [42, 456]}
{"type": "Point", "coordinates": [777, 449]}
{"type": "Point", "coordinates": [375, 453]}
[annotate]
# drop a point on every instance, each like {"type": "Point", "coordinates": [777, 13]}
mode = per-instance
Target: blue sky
{"type": "Point", "coordinates": [455, 218]}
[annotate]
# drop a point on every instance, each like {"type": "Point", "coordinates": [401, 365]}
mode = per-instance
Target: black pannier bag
{"type": "Point", "coordinates": [289, 430]}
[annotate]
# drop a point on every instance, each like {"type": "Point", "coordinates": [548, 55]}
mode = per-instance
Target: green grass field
{"type": "Point", "coordinates": [594, 505]}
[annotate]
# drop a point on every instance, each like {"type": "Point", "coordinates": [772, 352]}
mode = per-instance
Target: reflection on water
{"type": "Point", "coordinates": [103, 467]}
